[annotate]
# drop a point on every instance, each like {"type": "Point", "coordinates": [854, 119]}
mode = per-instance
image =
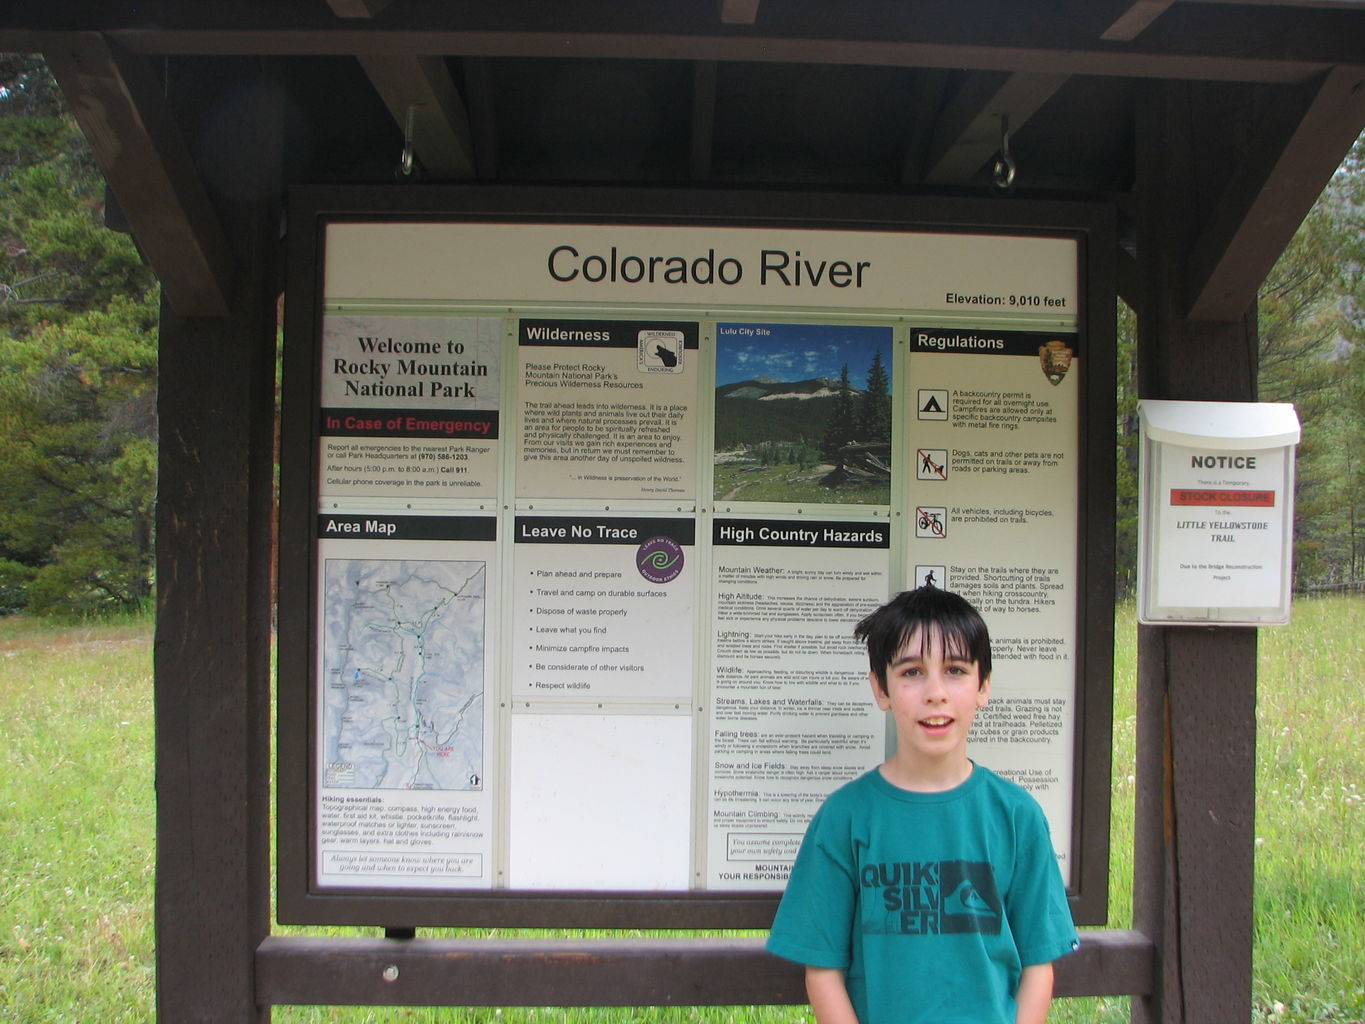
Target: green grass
{"type": "Point", "coordinates": [1310, 820]}
{"type": "Point", "coordinates": [550, 1015]}
{"type": "Point", "coordinates": [76, 811]}
{"type": "Point", "coordinates": [744, 479]}
{"type": "Point", "coordinates": [76, 814]}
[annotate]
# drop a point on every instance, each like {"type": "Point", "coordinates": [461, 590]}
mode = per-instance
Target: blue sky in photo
{"type": "Point", "coordinates": [793, 352]}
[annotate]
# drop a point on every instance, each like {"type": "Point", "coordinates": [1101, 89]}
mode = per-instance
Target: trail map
{"type": "Point", "coordinates": [404, 671]}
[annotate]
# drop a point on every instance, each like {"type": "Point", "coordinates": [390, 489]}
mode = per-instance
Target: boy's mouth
{"type": "Point", "coordinates": [936, 721]}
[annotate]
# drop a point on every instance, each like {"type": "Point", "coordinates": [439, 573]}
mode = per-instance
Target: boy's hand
{"type": "Point", "coordinates": [1034, 996]}
{"type": "Point", "coordinates": [828, 996]}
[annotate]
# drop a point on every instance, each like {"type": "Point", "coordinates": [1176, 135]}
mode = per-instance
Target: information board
{"type": "Point", "coordinates": [595, 508]}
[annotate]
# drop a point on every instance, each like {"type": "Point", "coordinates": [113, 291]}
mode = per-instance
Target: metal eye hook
{"type": "Point", "coordinates": [1004, 168]}
{"type": "Point", "coordinates": [407, 159]}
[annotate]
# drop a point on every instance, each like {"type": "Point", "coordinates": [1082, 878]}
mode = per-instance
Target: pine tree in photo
{"type": "Point", "coordinates": [843, 423]}
{"type": "Point", "coordinates": [874, 412]}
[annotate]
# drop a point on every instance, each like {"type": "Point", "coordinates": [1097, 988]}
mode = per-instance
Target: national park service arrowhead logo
{"type": "Point", "coordinates": [1056, 359]}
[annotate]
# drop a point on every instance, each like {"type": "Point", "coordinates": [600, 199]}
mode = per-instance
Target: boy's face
{"type": "Point", "coordinates": [934, 697]}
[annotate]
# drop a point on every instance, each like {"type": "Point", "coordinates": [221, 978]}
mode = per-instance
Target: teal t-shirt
{"type": "Point", "coordinates": [931, 903]}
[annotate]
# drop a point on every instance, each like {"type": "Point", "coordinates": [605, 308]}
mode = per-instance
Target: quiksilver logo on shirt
{"type": "Point", "coordinates": [947, 897]}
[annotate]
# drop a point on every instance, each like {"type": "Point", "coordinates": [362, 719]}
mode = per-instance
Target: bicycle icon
{"type": "Point", "coordinates": [931, 523]}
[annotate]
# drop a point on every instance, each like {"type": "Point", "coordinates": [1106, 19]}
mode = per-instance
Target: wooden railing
{"type": "Point", "coordinates": [602, 972]}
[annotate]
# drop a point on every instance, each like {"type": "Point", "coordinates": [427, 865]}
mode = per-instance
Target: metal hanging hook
{"type": "Point", "coordinates": [407, 158]}
{"type": "Point", "coordinates": [1004, 169]}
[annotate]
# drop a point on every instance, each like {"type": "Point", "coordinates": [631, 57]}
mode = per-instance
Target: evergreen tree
{"type": "Point", "coordinates": [843, 423]}
{"type": "Point", "coordinates": [1311, 328]}
{"type": "Point", "coordinates": [1126, 460]}
{"type": "Point", "coordinates": [1345, 201]}
{"type": "Point", "coordinates": [1322, 278]}
{"type": "Point", "coordinates": [874, 412]}
{"type": "Point", "coordinates": [1351, 472]}
{"type": "Point", "coordinates": [78, 314]}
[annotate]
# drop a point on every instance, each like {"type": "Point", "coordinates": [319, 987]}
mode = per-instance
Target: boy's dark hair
{"type": "Point", "coordinates": [933, 611]}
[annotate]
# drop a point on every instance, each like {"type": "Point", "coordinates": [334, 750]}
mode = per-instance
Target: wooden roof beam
{"type": "Point", "coordinates": [1190, 40]}
{"type": "Point", "coordinates": [119, 105]}
{"type": "Point", "coordinates": [738, 12]}
{"type": "Point", "coordinates": [1270, 192]}
{"type": "Point", "coordinates": [1115, 21]}
{"type": "Point", "coordinates": [1325, 4]}
{"type": "Point", "coordinates": [1135, 16]}
{"type": "Point", "coordinates": [357, 8]}
{"type": "Point", "coordinates": [968, 133]}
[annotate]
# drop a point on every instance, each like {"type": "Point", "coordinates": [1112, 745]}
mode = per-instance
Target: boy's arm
{"type": "Point", "coordinates": [828, 996]}
{"type": "Point", "coordinates": [1034, 996]}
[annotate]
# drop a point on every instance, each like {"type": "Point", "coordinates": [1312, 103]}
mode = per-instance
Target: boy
{"type": "Point", "coordinates": [927, 890]}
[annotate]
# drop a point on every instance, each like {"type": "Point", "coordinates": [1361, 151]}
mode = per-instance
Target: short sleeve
{"type": "Point", "coordinates": [815, 920]}
{"type": "Point", "coordinates": [1036, 905]}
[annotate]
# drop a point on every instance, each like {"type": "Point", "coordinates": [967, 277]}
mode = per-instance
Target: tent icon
{"type": "Point", "coordinates": [932, 404]}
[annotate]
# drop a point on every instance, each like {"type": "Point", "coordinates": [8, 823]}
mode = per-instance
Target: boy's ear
{"type": "Point", "coordinates": [879, 691]}
{"type": "Point", "coordinates": [983, 692]}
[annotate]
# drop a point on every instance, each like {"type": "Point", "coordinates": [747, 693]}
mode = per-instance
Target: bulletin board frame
{"type": "Point", "coordinates": [300, 899]}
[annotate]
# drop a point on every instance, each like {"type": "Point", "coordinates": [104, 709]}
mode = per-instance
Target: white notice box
{"type": "Point", "coordinates": [1216, 514]}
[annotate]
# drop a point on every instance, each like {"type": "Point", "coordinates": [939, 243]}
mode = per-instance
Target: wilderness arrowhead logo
{"type": "Point", "coordinates": [1056, 359]}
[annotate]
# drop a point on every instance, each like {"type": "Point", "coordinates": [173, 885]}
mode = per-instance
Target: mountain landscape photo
{"type": "Point", "coordinates": [787, 434]}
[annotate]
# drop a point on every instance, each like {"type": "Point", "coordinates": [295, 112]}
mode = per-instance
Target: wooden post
{"type": "Point", "coordinates": [211, 658]}
{"type": "Point", "coordinates": [1196, 720]}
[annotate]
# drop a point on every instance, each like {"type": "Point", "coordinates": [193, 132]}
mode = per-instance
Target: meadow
{"type": "Point", "coordinates": [747, 477]}
{"type": "Point", "coordinates": [76, 820]}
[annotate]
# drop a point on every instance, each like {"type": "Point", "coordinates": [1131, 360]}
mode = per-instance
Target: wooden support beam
{"type": "Point", "coordinates": [421, 86]}
{"type": "Point", "coordinates": [118, 103]}
{"type": "Point", "coordinates": [1196, 695]}
{"type": "Point", "coordinates": [1291, 157]}
{"type": "Point", "coordinates": [968, 132]}
{"type": "Point", "coordinates": [1195, 819]}
{"type": "Point", "coordinates": [211, 661]}
{"type": "Point", "coordinates": [1110, 962]}
{"type": "Point", "coordinates": [600, 972]}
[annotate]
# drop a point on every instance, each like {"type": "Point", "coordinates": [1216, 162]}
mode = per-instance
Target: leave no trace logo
{"type": "Point", "coordinates": [659, 559]}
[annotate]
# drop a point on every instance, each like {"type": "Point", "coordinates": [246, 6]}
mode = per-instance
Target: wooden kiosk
{"type": "Point", "coordinates": [1194, 136]}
